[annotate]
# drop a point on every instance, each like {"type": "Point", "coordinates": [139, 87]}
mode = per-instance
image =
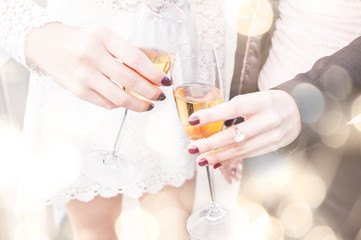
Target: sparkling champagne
{"type": "Point", "coordinates": [192, 97]}
{"type": "Point", "coordinates": [160, 59]}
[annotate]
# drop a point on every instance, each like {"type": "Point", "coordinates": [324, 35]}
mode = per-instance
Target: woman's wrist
{"type": "Point", "coordinates": [39, 41]}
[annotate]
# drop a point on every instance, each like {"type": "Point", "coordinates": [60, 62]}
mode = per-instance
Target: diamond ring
{"type": "Point", "coordinates": [233, 171]}
{"type": "Point", "coordinates": [240, 135]}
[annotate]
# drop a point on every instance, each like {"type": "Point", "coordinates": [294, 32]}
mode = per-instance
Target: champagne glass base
{"type": "Point", "coordinates": [211, 222]}
{"type": "Point", "coordinates": [109, 169]}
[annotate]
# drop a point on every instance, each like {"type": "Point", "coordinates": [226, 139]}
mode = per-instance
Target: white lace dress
{"type": "Point", "coordinates": [59, 127]}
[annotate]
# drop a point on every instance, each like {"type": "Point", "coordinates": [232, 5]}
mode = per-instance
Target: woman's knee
{"type": "Point", "coordinates": [95, 219]}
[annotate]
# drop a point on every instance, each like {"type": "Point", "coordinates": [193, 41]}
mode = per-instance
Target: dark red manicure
{"type": "Point", "coordinates": [217, 165]}
{"type": "Point", "coordinates": [193, 150]}
{"type": "Point", "coordinates": [202, 162]}
{"type": "Point", "coordinates": [151, 106]}
{"type": "Point", "coordinates": [194, 120]}
{"type": "Point", "coordinates": [161, 96]}
{"type": "Point", "coordinates": [166, 81]}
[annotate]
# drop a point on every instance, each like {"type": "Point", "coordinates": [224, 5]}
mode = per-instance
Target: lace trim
{"type": "Point", "coordinates": [87, 190]}
{"type": "Point", "coordinates": [18, 18]}
{"type": "Point", "coordinates": [125, 5]}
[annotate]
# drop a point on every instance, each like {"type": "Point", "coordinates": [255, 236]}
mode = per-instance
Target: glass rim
{"type": "Point", "coordinates": [208, 46]}
{"type": "Point", "coordinates": [178, 19]}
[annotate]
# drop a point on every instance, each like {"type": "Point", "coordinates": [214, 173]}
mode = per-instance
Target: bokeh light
{"type": "Point", "coordinates": [356, 113]}
{"type": "Point", "coordinates": [275, 229]}
{"type": "Point", "coordinates": [339, 82]}
{"type": "Point", "coordinates": [310, 189]}
{"type": "Point", "coordinates": [249, 17]}
{"type": "Point", "coordinates": [261, 225]}
{"type": "Point", "coordinates": [338, 138]}
{"type": "Point", "coordinates": [29, 231]}
{"type": "Point", "coordinates": [320, 233]}
{"type": "Point", "coordinates": [311, 97]}
{"type": "Point", "coordinates": [59, 160]}
{"type": "Point", "coordinates": [134, 221]}
{"type": "Point", "coordinates": [297, 219]}
{"type": "Point", "coordinates": [11, 153]}
{"type": "Point", "coordinates": [239, 219]}
{"type": "Point", "coordinates": [266, 181]}
{"type": "Point", "coordinates": [331, 121]}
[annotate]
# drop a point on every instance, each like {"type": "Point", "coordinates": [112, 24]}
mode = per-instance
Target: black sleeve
{"type": "Point", "coordinates": [333, 83]}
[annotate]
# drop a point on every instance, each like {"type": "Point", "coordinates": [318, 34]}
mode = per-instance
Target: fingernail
{"type": "Point", "coordinates": [151, 106]}
{"type": "Point", "coordinates": [166, 81]}
{"type": "Point", "coordinates": [217, 165]}
{"type": "Point", "coordinates": [161, 97]}
{"type": "Point", "coordinates": [193, 150]}
{"type": "Point", "coordinates": [202, 162]}
{"type": "Point", "coordinates": [194, 120]}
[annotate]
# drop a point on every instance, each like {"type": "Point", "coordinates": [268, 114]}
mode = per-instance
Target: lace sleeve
{"type": "Point", "coordinates": [17, 19]}
{"type": "Point", "coordinates": [209, 18]}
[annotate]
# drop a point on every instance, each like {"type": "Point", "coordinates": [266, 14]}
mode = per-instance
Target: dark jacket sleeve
{"type": "Point", "coordinates": [333, 84]}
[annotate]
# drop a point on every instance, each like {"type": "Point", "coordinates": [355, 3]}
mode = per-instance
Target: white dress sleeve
{"type": "Point", "coordinates": [17, 19]}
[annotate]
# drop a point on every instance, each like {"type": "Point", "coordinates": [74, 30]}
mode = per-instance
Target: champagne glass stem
{"type": "Point", "coordinates": [211, 184]}
{"type": "Point", "coordinates": [119, 136]}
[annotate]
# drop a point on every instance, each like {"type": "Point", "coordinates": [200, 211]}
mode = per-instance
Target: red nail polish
{"type": "Point", "coordinates": [161, 97]}
{"type": "Point", "coordinates": [151, 106]}
{"type": "Point", "coordinates": [202, 162]}
{"type": "Point", "coordinates": [194, 120]}
{"type": "Point", "coordinates": [193, 150]}
{"type": "Point", "coordinates": [217, 165]}
{"type": "Point", "coordinates": [166, 81]}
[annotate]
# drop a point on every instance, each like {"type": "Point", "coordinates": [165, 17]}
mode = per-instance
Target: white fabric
{"type": "Point", "coordinates": [59, 127]}
{"type": "Point", "coordinates": [306, 31]}
{"type": "Point", "coordinates": [4, 57]}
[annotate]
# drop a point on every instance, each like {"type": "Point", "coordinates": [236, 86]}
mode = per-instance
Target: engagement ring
{"type": "Point", "coordinates": [240, 135]}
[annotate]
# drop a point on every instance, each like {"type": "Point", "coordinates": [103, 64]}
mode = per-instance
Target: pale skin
{"type": "Point", "coordinates": [93, 64]}
{"type": "Point", "coordinates": [272, 121]}
{"type": "Point", "coordinates": [170, 207]}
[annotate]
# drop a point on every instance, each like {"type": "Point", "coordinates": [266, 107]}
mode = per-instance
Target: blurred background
{"type": "Point", "coordinates": [281, 198]}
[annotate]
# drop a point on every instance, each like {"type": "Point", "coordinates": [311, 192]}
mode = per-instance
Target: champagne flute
{"type": "Point", "coordinates": [198, 85]}
{"type": "Point", "coordinates": [157, 29]}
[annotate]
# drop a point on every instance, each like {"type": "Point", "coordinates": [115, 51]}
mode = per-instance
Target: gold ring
{"type": "Point", "coordinates": [240, 135]}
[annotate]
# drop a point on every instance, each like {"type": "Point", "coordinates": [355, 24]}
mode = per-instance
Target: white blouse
{"type": "Point", "coordinates": [306, 31]}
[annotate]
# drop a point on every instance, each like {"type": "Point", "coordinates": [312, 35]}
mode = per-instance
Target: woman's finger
{"type": "Point", "coordinates": [128, 78]}
{"type": "Point", "coordinates": [262, 143]}
{"type": "Point", "coordinates": [239, 106]}
{"type": "Point", "coordinates": [236, 169]}
{"type": "Point", "coordinates": [226, 173]}
{"type": "Point", "coordinates": [115, 94]}
{"type": "Point", "coordinates": [253, 126]}
{"type": "Point", "coordinates": [134, 58]}
{"type": "Point", "coordinates": [97, 99]}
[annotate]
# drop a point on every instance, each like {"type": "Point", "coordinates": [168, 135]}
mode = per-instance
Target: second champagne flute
{"type": "Point", "coordinates": [157, 29]}
{"type": "Point", "coordinates": [198, 85]}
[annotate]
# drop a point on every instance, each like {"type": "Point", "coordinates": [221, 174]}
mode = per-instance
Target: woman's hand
{"type": "Point", "coordinates": [272, 121]}
{"type": "Point", "coordinates": [91, 63]}
{"type": "Point", "coordinates": [231, 170]}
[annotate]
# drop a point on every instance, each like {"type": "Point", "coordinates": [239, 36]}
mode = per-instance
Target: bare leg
{"type": "Point", "coordinates": [171, 207]}
{"type": "Point", "coordinates": [95, 219]}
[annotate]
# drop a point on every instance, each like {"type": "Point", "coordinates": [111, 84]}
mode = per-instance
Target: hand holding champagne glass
{"type": "Point", "coordinates": [157, 29]}
{"type": "Point", "coordinates": [198, 85]}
